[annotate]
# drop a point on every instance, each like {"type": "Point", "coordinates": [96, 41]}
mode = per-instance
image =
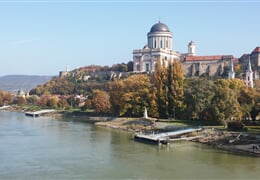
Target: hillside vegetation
{"type": "Point", "coordinates": [165, 94]}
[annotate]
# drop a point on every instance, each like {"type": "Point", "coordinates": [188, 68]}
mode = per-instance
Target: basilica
{"type": "Point", "coordinates": [160, 48]}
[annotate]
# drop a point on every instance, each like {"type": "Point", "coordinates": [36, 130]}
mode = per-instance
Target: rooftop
{"type": "Point", "coordinates": [159, 27]}
{"type": "Point", "coordinates": [207, 58]}
{"type": "Point", "coordinates": [256, 50]}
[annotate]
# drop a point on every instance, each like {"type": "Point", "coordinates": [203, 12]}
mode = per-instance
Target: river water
{"type": "Point", "coordinates": [47, 148]}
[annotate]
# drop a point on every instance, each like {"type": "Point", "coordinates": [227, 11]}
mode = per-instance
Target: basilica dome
{"type": "Point", "coordinates": [159, 27]}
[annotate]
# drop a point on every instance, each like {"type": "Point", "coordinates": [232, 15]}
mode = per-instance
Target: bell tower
{"type": "Point", "coordinates": [191, 49]}
{"type": "Point", "coordinates": [249, 75]}
{"type": "Point", "coordinates": [231, 73]}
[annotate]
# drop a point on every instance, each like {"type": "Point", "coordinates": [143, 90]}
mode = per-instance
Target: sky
{"type": "Point", "coordinates": [43, 37]}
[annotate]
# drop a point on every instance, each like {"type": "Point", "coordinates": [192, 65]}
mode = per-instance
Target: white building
{"type": "Point", "coordinates": [160, 47]}
{"type": "Point", "coordinates": [231, 72]}
{"type": "Point", "coordinates": [249, 75]}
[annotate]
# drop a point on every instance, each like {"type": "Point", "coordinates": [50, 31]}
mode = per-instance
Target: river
{"type": "Point", "coordinates": [47, 148]}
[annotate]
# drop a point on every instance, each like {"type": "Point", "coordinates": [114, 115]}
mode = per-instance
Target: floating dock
{"type": "Point", "coordinates": [4, 107]}
{"type": "Point", "coordinates": [38, 113]}
{"type": "Point", "coordinates": [162, 138]}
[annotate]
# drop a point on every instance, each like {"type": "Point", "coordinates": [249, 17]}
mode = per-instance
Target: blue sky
{"type": "Point", "coordinates": [44, 37]}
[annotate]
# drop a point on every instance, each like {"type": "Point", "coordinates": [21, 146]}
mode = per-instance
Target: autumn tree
{"type": "Point", "coordinates": [62, 103]}
{"type": "Point", "coordinates": [62, 86]}
{"type": "Point", "coordinates": [42, 101]}
{"type": "Point", "coordinates": [161, 89]}
{"type": "Point", "coordinates": [20, 100]}
{"type": "Point", "coordinates": [52, 101]}
{"type": "Point", "coordinates": [33, 99]}
{"type": "Point", "coordinates": [175, 88]}
{"type": "Point", "coordinates": [6, 98]}
{"type": "Point", "coordinates": [116, 91]}
{"type": "Point", "coordinates": [169, 88]}
{"type": "Point", "coordinates": [87, 105]}
{"type": "Point", "coordinates": [131, 95]}
{"type": "Point", "coordinates": [245, 95]}
{"type": "Point", "coordinates": [225, 103]}
{"type": "Point", "coordinates": [101, 101]}
{"type": "Point", "coordinates": [247, 101]}
{"type": "Point", "coordinates": [137, 95]}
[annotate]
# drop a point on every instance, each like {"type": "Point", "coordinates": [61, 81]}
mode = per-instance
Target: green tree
{"type": "Point", "coordinates": [246, 100]}
{"type": "Point", "coordinates": [256, 106]}
{"type": "Point", "coordinates": [130, 66]}
{"type": "Point", "coordinates": [245, 96]}
{"type": "Point", "coordinates": [198, 97]}
{"type": "Point", "coordinates": [225, 105]}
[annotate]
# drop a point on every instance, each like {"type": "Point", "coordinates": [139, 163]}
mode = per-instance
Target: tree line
{"type": "Point", "coordinates": [165, 94]}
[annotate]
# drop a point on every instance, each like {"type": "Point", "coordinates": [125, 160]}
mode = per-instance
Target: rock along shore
{"type": "Point", "coordinates": [241, 143]}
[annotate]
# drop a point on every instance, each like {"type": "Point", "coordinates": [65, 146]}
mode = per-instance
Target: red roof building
{"type": "Point", "coordinates": [208, 58]}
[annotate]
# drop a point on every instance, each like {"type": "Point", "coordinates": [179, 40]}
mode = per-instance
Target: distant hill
{"type": "Point", "coordinates": [13, 83]}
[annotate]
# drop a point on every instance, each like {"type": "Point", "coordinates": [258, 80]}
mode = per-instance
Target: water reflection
{"type": "Point", "coordinates": [47, 148]}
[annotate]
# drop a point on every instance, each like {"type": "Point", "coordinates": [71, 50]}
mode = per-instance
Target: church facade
{"type": "Point", "coordinates": [160, 48]}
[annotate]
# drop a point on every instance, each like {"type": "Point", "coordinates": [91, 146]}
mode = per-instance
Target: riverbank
{"type": "Point", "coordinates": [57, 114]}
{"type": "Point", "coordinates": [236, 142]}
{"type": "Point", "coordinates": [129, 124]}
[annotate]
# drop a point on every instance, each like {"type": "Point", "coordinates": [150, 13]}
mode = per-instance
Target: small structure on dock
{"type": "Point", "coordinates": [145, 113]}
{"type": "Point", "coordinates": [38, 113]}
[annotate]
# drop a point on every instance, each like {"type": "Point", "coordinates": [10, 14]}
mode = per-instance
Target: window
{"type": "Point", "coordinates": [166, 44]}
{"type": "Point", "coordinates": [147, 67]}
{"type": "Point", "coordinates": [154, 44]}
{"type": "Point", "coordinates": [161, 44]}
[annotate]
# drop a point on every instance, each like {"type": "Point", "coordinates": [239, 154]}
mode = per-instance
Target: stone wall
{"type": "Point", "coordinates": [207, 68]}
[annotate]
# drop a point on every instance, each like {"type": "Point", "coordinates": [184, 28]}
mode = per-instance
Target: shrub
{"type": "Point", "coordinates": [235, 125]}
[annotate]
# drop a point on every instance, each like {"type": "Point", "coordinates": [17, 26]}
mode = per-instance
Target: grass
{"type": "Point", "coordinates": [190, 122]}
{"type": "Point", "coordinates": [253, 129]}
